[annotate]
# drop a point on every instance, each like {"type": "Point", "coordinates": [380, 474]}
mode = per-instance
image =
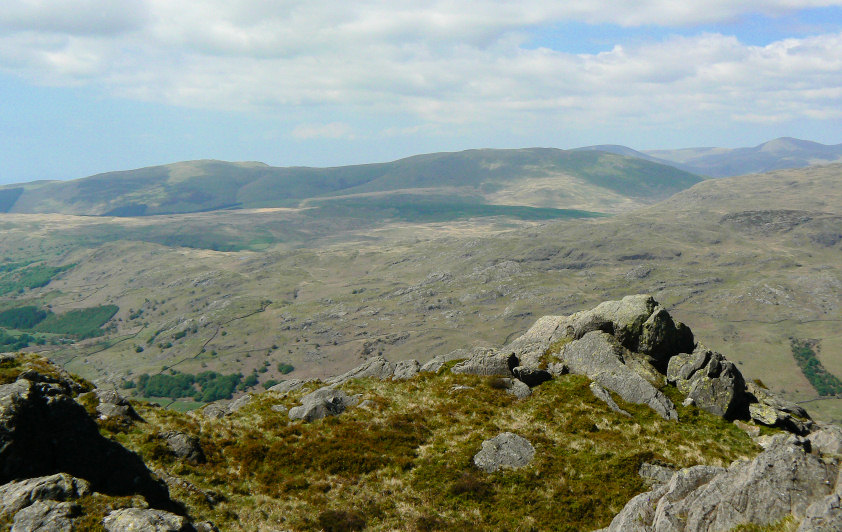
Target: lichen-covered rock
{"type": "Point", "coordinates": [140, 520]}
{"type": "Point", "coordinates": [184, 446]}
{"type": "Point", "coordinates": [15, 496]}
{"type": "Point", "coordinates": [377, 367]}
{"type": "Point", "coordinates": [773, 410]}
{"type": "Point", "coordinates": [622, 319]}
{"type": "Point", "coordinates": [783, 480]}
{"type": "Point", "coordinates": [489, 364]}
{"type": "Point", "coordinates": [46, 516]}
{"type": "Point", "coordinates": [506, 451]}
{"type": "Point", "coordinates": [406, 369]}
{"type": "Point", "coordinates": [661, 337]}
{"type": "Point", "coordinates": [530, 347]}
{"type": "Point", "coordinates": [824, 515]}
{"type": "Point", "coordinates": [599, 356]}
{"type": "Point", "coordinates": [321, 403]}
{"type": "Point", "coordinates": [713, 383]}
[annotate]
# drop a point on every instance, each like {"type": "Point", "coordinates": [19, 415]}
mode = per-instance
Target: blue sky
{"type": "Point", "coordinates": [90, 86]}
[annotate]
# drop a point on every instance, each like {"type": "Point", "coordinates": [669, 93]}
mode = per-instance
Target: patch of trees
{"type": "Point", "coordinates": [82, 323]}
{"type": "Point", "coordinates": [22, 317]}
{"type": "Point", "coordinates": [31, 277]}
{"type": "Point", "coordinates": [206, 386]}
{"type": "Point", "coordinates": [804, 352]}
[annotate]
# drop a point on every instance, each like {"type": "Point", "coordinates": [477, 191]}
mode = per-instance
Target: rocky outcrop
{"type": "Point", "coordinates": [377, 367]}
{"type": "Point", "coordinates": [288, 386]}
{"type": "Point", "coordinates": [16, 496]}
{"type": "Point", "coordinates": [514, 387]}
{"type": "Point", "coordinates": [786, 479]}
{"type": "Point", "coordinates": [770, 409]}
{"type": "Point", "coordinates": [713, 383]}
{"type": "Point", "coordinates": [600, 357]}
{"type": "Point", "coordinates": [43, 431]}
{"type": "Point", "coordinates": [506, 451]}
{"type": "Point", "coordinates": [220, 409]}
{"type": "Point", "coordinates": [323, 402]}
{"type": "Point", "coordinates": [436, 363]}
{"type": "Point", "coordinates": [488, 363]}
{"type": "Point", "coordinates": [112, 405]}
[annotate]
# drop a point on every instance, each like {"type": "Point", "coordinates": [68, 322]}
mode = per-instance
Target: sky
{"type": "Point", "coordinates": [89, 86]}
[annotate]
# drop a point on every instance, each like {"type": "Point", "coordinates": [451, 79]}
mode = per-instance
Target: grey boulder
{"type": "Point", "coordinates": [712, 382]}
{"type": "Point", "coordinates": [184, 446]}
{"type": "Point", "coordinates": [321, 403]}
{"type": "Point", "coordinates": [436, 363]}
{"type": "Point", "coordinates": [600, 357]}
{"type": "Point", "coordinates": [145, 520]}
{"type": "Point", "coordinates": [506, 451]}
{"type": "Point", "coordinates": [46, 516]}
{"type": "Point", "coordinates": [112, 405]}
{"type": "Point", "coordinates": [406, 369]}
{"type": "Point", "coordinates": [15, 496]}
{"type": "Point", "coordinates": [488, 363]}
{"type": "Point", "coordinates": [377, 367]}
{"type": "Point", "coordinates": [287, 386]}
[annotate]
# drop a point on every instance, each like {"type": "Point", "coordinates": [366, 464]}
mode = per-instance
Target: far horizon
{"type": "Point", "coordinates": [89, 86]}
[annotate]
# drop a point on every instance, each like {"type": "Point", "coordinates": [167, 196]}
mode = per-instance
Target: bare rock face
{"type": "Point", "coordinates": [713, 383]}
{"type": "Point", "coordinates": [406, 369]}
{"type": "Point", "coordinates": [783, 480]}
{"type": "Point", "coordinates": [489, 364]}
{"type": "Point", "coordinates": [599, 356]}
{"type": "Point", "coordinates": [43, 431]}
{"type": "Point", "coordinates": [506, 451]}
{"type": "Point", "coordinates": [143, 520]}
{"type": "Point", "coordinates": [323, 402]}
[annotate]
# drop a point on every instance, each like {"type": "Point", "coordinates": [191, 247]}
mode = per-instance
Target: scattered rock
{"type": "Point", "coordinates": [239, 403]}
{"type": "Point", "coordinates": [44, 516]}
{"type": "Point", "coordinates": [184, 446]}
{"type": "Point", "coordinates": [713, 383]}
{"type": "Point", "coordinates": [406, 369]}
{"type": "Point", "coordinates": [281, 409]}
{"type": "Point", "coordinates": [506, 451]}
{"type": "Point", "coordinates": [532, 377]}
{"type": "Point", "coordinates": [599, 356]}
{"type": "Point", "coordinates": [140, 520]}
{"type": "Point", "coordinates": [323, 402]}
{"type": "Point", "coordinates": [15, 496]}
{"type": "Point", "coordinates": [489, 364]}
{"type": "Point", "coordinates": [603, 395]}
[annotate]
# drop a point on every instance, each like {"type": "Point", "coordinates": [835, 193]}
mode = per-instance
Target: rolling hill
{"type": "Point", "coordinates": [549, 178]}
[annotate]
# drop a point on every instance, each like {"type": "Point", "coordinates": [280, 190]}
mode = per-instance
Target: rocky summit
{"type": "Point", "coordinates": [612, 418]}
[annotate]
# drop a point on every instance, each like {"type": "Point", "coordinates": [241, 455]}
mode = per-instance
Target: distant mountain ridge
{"type": "Point", "coordinates": [526, 177]}
{"type": "Point", "coordinates": [777, 154]}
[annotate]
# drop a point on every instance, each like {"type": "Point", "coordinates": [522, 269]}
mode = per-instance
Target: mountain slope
{"type": "Point", "coordinates": [477, 175]}
{"type": "Point", "coordinates": [773, 155]}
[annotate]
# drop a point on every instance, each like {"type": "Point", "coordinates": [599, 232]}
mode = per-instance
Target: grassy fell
{"type": "Point", "coordinates": [404, 460]}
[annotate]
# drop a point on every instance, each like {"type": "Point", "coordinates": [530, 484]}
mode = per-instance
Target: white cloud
{"type": "Point", "coordinates": [439, 64]}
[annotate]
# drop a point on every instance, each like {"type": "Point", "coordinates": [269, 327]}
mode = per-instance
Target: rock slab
{"type": "Point", "coordinates": [506, 451]}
